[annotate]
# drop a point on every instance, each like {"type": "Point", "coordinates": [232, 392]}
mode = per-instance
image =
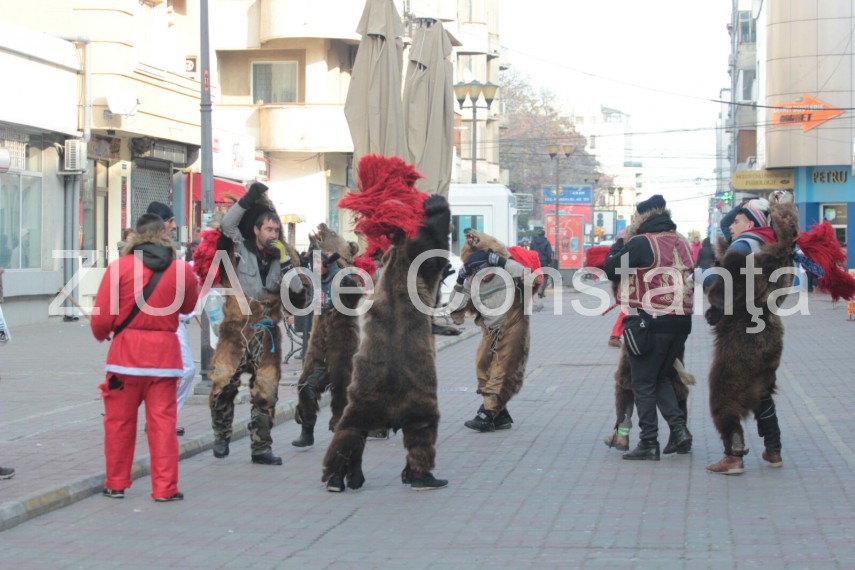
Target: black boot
{"type": "Point", "coordinates": [221, 447]}
{"type": "Point", "coordinates": [306, 439]}
{"type": "Point", "coordinates": [644, 451]}
{"type": "Point", "coordinates": [266, 459]}
{"type": "Point", "coordinates": [680, 440]}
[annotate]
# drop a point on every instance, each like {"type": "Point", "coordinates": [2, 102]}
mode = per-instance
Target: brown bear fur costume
{"type": "Point", "coordinates": [624, 399]}
{"type": "Point", "coordinates": [506, 359]}
{"type": "Point", "coordinates": [394, 379]}
{"type": "Point", "coordinates": [334, 339]}
{"type": "Point", "coordinates": [744, 365]}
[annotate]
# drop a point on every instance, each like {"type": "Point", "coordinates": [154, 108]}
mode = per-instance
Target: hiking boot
{"type": "Point", "coordinates": [113, 493]}
{"type": "Point", "coordinates": [6, 473]}
{"type": "Point", "coordinates": [483, 421]}
{"type": "Point", "coordinates": [644, 451]}
{"type": "Point", "coordinates": [306, 439]}
{"type": "Point", "coordinates": [773, 458]}
{"type": "Point", "coordinates": [426, 482]}
{"type": "Point", "coordinates": [221, 447]}
{"type": "Point", "coordinates": [728, 465]}
{"type": "Point", "coordinates": [503, 420]}
{"type": "Point", "coordinates": [266, 459]}
{"type": "Point", "coordinates": [335, 484]}
{"type": "Point", "coordinates": [618, 441]}
{"type": "Point", "coordinates": [680, 441]}
{"type": "Point", "coordinates": [176, 497]}
{"type": "Point", "coordinates": [614, 341]}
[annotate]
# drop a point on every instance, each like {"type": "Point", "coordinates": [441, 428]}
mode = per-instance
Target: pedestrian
{"type": "Point", "coordinates": [127, 234]}
{"type": "Point", "coordinates": [502, 355]}
{"type": "Point", "coordinates": [144, 360]}
{"type": "Point", "coordinates": [658, 287]}
{"type": "Point", "coordinates": [706, 255]}
{"type": "Point", "coordinates": [696, 247]}
{"type": "Point", "coordinates": [749, 340]}
{"type": "Point", "coordinates": [188, 365]}
{"type": "Point", "coordinates": [544, 251]}
{"type": "Point", "coordinates": [250, 339]}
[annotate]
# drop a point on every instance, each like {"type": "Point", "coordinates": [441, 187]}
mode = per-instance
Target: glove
{"type": "Point", "coordinates": [256, 191]}
{"type": "Point", "coordinates": [279, 247]}
{"type": "Point", "coordinates": [616, 246]}
{"type": "Point", "coordinates": [462, 274]}
{"type": "Point", "coordinates": [495, 259]}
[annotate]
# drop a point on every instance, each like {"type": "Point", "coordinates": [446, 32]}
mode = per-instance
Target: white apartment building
{"type": "Point", "coordinates": [124, 104]}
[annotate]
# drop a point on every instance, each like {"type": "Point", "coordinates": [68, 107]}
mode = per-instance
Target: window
{"type": "Point", "coordinates": [274, 82]}
{"type": "Point", "coordinates": [461, 223]}
{"type": "Point", "coordinates": [747, 33]}
{"type": "Point", "coordinates": [336, 193]}
{"type": "Point", "coordinates": [20, 221]}
{"type": "Point", "coordinates": [93, 211]}
{"type": "Point", "coordinates": [748, 77]}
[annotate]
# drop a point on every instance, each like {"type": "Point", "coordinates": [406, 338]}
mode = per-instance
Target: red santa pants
{"type": "Point", "coordinates": [123, 395]}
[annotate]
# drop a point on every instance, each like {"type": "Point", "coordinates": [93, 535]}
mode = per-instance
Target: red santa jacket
{"type": "Point", "coordinates": [148, 346]}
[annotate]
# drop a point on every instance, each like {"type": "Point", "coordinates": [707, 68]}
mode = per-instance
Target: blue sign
{"type": "Point", "coordinates": [569, 195]}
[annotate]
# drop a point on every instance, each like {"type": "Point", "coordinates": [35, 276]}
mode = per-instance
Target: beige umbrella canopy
{"type": "Point", "coordinates": [373, 104]}
{"type": "Point", "coordinates": [429, 107]}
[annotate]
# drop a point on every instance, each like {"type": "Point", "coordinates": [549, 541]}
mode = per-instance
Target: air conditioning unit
{"type": "Point", "coordinates": [74, 159]}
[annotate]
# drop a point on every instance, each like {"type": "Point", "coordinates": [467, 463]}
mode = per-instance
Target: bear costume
{"type": "Point", "coordinates": [394, 382]}
{"type": "Point", "coordinates": [334, 339]}
{"type": "Point", "coordinates": [749, 342]}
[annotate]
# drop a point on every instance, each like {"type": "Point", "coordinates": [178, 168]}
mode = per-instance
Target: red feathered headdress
{"type": "Point", "coordinates": [387, 202]}
{"type": "Point", "coordinates": [203, 255]}
{"type": "Point", "coordinates": [820, 246]}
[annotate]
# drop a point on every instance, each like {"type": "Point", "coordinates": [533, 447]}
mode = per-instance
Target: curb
{"type": "Point", "coordinates": [16, 512]}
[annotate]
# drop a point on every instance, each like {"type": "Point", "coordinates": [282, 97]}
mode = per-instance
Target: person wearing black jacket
{"type": "Point", "coordinates": [544, 252]}
{"type": "Point", "coordinates": [653, 265]}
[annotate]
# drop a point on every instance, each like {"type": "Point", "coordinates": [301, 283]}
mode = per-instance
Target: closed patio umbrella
{"type": "Point", "coordinates": [373, 104]}
{"type": "Point", "coordinates": [429, 107]}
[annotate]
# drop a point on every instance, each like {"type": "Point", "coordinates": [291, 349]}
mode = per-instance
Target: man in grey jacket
{"type": "Point", "coordinates": [251, 342]}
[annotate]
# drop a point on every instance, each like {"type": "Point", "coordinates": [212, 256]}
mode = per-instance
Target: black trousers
{"type": "Point", "coordinates": [652, 387]}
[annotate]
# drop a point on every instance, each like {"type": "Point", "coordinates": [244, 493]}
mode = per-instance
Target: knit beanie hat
{"type": "Point", "coordinates": [160, 209]}
{"type": "Point", "coordinates": [757, 211]}
{"type": "Point", "coordinates": [655, 202]}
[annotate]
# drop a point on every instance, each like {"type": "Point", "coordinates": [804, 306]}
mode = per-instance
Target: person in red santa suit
{"type": "Point", "coordinates": [138, 303]}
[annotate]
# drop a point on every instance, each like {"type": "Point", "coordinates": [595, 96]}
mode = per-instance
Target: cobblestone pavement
{"type": "Point", "coordinates": [545, 494]}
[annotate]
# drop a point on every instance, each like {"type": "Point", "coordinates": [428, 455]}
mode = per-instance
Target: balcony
{"type": "Point", "coordinates": [303, 128]}
{"type": "Point", "coordinates": [285, 19]}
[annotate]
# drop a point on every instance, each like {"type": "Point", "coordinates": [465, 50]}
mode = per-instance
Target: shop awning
{"type": "Point", "coordinates": [222, 187]}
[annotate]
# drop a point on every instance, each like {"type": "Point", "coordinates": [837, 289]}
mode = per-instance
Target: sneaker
{"type": "Point", "coordinates": [728, 465]}
{"type": "Point", "coordinates": [773, 458]}
{"type": "Point", "coordinates": [335, 484]}
{"type": "Point", "coordinates": [503, 420]}
{"type": "Point", "coordinates": [113, 493]}
{"type": "Point", "coordinates": [176, 497]}
{"type": "Point", "coordinates": [483, 422]}
{"type": "Point", "coordinates": [614, 341]}
{"type": "Point", "coordinates": [427, 482]}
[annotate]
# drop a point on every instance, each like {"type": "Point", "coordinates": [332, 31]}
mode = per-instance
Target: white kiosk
{"type": "Point", "coordinates": [490, 208]}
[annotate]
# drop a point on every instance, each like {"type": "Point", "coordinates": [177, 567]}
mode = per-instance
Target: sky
{"type": "Point", "coordinates": [663, 62]}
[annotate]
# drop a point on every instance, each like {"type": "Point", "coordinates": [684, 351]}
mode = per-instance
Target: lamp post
{"type": "Point", "coordinates": [555, 151]}
{"type": "Point", "coordinates": [474, 89]}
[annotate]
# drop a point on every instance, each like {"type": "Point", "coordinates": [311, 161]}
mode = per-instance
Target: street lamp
{"type": "Point", "coordinates": [474, 89]}
{"type": "Point", "coordinates": [555, 151]}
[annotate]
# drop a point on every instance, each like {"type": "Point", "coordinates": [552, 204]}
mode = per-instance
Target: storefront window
{"type": "Point", "coordinates": [20, 221]}
{"type": "Point", "coordinates": [336, 192]}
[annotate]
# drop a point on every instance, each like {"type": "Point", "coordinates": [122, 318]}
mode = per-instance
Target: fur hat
{"type": "Point", "coordinates": [161, 209]}
{"type": "Point", "coordinates": [757, 211]}
{"type": "Point", "coordinates": [655, 202]}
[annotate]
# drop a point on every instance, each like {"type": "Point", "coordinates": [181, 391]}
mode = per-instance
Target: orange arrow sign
{"type": "Point", "coordinates": [809, 112]}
